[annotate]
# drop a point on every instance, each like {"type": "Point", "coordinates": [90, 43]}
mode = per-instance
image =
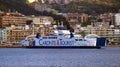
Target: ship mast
{"type": "Point", "coordinates": [33, 28]}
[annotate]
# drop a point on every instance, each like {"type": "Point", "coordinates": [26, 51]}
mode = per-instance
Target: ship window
{"type": "Point", "coordinates": [52, 37]}
{"type": "Point", "coordinates": [44, 37]}
{"type": "Point", "coordinates": [49, 37]}
{"type": "Point", "coordinates": [78, 39]}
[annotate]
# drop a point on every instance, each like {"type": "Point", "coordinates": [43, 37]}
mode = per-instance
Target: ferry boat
{"type": "Point", "coordinates": [91, 40]}
{"type": "Point", "coordinates": [61, 37]}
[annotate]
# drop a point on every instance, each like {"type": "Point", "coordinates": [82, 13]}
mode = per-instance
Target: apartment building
{"type": "Point", "coordinates": [38, 21]}
{"type": "Point", "coordinates": [8, 19]}
{"type": "Point", "coordinates": [117, 19]}
{"type": "Point", "coordinates": [76, 19]}
{"type": "Point", "coordinates": [3, 35]}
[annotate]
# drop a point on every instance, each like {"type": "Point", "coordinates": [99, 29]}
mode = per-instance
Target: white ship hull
{"type": "Point", "coordinates": [61, 41]}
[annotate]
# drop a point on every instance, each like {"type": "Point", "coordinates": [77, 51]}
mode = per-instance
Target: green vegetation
{"type": "Point", "coordinates": [89, 6]}
{"type": "Point", "coordinates": [17, 5]}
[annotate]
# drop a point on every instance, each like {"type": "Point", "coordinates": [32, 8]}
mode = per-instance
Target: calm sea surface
{"type": "Point", "coordinates": [24, 57]}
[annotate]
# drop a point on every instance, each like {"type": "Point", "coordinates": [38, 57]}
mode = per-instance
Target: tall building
{"type": "Point", "coordinates": [8, 19]}
{"type": "Point", "coordinates": [3, 35]}
{"type": "Point", "coordinates": [117, 19]}
{"type": "Point", "coordinates": [75, 18]}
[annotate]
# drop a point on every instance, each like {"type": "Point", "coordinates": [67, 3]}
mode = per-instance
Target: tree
{"type": "Point", "coordinates": [28, 22]}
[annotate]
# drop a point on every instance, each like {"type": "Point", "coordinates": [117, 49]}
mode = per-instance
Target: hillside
{"type": "Point", "coordinates": [79, 6]}
{"type": "Point", "coordinates": [89, 6]}
{"type": "Point", "coordinates": [17, 5]}
{"type": "Point", "coordinates": [22, 7]}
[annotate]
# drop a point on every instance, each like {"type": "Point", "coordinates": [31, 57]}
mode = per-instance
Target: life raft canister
{"type": "Point", "coordinates": [58, 42]}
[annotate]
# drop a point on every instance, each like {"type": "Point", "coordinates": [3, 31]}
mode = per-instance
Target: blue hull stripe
{"type": "Point", "coordinates": [33, 43]}
{"type": "Point", "coordinates": [101, 42]}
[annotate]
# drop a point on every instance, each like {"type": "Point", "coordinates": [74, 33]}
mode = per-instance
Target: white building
{"type": "Point", "coordinates": [117, 19]}
{"type": "Point", "coordinates": [3, 36]}
{"type": "Point", "coordinates": [102, 24]}
{"type": "Point", "coordinates": [43, 20]}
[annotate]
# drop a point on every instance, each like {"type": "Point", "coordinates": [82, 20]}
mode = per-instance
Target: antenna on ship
{"type": "Point", "coordinates": [33, 28]}
{"type": "Point", "coordinates": [9, 10]}
{"type": "Point", "coordinates": [58, 24]}
{"type": "Point", "coordinates": [62, 23]}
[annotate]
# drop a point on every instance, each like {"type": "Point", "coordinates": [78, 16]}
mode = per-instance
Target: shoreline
{"type": "Point", "coordinates": [15, 46]}
{"type": "Point", "coordinates": [19, 46]}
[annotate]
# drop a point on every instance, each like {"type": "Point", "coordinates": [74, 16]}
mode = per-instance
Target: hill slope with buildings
{"type": "Point", "coordinates": [22, 6]}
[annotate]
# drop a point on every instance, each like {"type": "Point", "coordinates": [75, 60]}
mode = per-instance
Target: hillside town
{"type": "Point", "coordinates": [59, 33]}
